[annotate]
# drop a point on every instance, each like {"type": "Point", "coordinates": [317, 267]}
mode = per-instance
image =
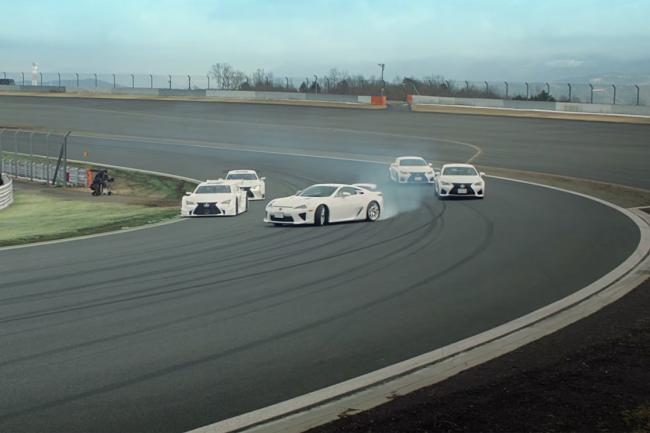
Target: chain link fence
{"type": "Point", "coordinates": [39, 156]}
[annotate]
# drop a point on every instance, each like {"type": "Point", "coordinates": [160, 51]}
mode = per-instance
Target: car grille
{"type": "Point", "coordinates": [467, 186]}
{"type": "Point", "coordinates": [284, 219]}
{"type": "Point", "coordinates": [207, 209]}
{"type": "Point", "coordinates": [423, 178]}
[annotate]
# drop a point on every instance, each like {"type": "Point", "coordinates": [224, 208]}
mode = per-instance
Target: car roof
{"type": "Point", "coordinates": [329, 184]}
{"type": "Point", "coordinates": [410, 157]}
{"type": "Point", "coordinates": [458, 165]}
{"type": "Point", "coordinates": [241, 171]}
{"type": "Point", "coordinates": [214, 182]}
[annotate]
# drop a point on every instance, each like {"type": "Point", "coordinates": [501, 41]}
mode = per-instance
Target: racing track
{"type": "Point", "coordinates": [178, 326]}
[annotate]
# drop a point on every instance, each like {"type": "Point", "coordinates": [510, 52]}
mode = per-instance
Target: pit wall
{"type": "Point", "coordinates": [221, 94]}
{"type": "Point", "coordinates": [633, 110]}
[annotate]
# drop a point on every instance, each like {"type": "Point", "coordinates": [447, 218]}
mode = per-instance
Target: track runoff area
{"type": "Point", "coordinates": [184, 325]}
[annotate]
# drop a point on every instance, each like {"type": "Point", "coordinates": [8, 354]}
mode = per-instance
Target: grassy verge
{"type": "Point", "coordinates": [36, 216]}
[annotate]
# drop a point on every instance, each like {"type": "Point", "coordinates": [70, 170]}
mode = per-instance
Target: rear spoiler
{"type": "Point", "coordinates": [368, 186]}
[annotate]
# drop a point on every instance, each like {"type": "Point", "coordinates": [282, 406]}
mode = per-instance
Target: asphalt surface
{"type": "Point", "coordinates": [175, 327]}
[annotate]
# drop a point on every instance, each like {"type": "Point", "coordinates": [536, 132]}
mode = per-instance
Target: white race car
{"type": "Point", "coordinates": [327, 203]}
{"type": "Point", "coordinates": [249, 181]}
{"type": "Point", "coordinates": [214, 198]}
{"type": "Point", "coordinates": [460, 180]}
{"type": "Point", "coordinates": [411, 169]}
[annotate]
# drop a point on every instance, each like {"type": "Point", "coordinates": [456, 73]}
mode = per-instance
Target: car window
{"type": "Point", "coordinates": [241, 176]}
{"type": "Point", "coordinates": [349, 189]}
{"type": "Point", "coordinates": [318, 191]}
{"type": "Point", "coordinates": [412, 162]}
{"type": "Point", "coordinates": [459, 171]}
{"type": "Point", "coordinates": [213, 189]}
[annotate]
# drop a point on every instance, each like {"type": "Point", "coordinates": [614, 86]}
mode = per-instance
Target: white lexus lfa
{"type": "Point", "coordinates": [327, 203]}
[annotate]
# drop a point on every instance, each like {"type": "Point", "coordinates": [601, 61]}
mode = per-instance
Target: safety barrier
{"type": "Point", "coordinates": [6, 192]}
{"type": "Point", "coordinates": [44, 172]}
{"type": "Point", "coordinates": [634, 110]}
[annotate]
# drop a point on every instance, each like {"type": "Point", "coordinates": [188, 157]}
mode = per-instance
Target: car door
{"type": "Point", "coordinates": [347, 204]}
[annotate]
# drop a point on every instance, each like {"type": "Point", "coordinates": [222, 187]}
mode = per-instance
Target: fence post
{"type": "Point", "coordinates": [16, 152]}
{"type": "Point", "coordinates": [2, 153]}
{"type": "Point", "coordinates": [113, 81]}
{"type": "Point", "coordinates": [132, 81]}
{"type": "Point", "coordinates": [77, 74]}
{"type": "Point", "coordinates": [569, 84]}
{"type": "Point", "coordinates": [527, 90]}
{"type": "Point", "coordinates": [487, 90]}
{"type": "Point", "coordinates": [170, 81]}
{"type": "Point", "coordinates": [59, 75]}
{"type": "Point", "coordinates": [23, 74]}
{"type": "Point", "coordinates": [467, 85]}
{"type": "Point", "coordinates": [614, 98]}
{"type": "Point", "coordinates": [5, 74]}
{"type": "Point", "coordinates": [637, 93]}
{"type": "Point", "coordinates": [151, 80]}
{"type": "Point", "coordinates": [591, 93]}
{"type": "Point", "coordinates": [506, 89]}
{"type": "Point", "coordinates": [47, 156]}
{"type": "Point", "coordinates": [40, 74]}
{"type": "Point", "coordinates": [208, 81]}
{"type": "Point", "coordinates": [548, 89]}
{"type": "Point", "coordinates": [189, 82]}
{"type": "Point", "coordinates": [95, 80]}
{"type": "Point", "coordinates": [31, 156]}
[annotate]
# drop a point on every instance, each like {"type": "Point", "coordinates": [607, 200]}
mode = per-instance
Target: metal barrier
{"type": "Point", "coordinates": [44, 172]}
{"type": "Point", "coordinates": [6, 192]}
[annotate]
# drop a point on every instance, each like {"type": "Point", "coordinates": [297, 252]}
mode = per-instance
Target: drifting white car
{"type": "Point", "coordinates": [249, 181]}
{"type": "Point", "coordinates": [460, 180]}
{"type": "Point", "coordinates": [214, 198]}
{"type": "Point", "coordinates": [327, 203]}
{"type": "Point", "coordinates": [411, 169]}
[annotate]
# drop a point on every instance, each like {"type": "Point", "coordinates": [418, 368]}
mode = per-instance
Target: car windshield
{"type": "Point", "coordinates": [412, 162]}
{"type": "Point", "coordinates": [241, 176]}
{"type": "Point", "coordinates": [459, 171]}
{"type": "Point", "coordinates": [318, 191]}
{"type": "Point", "coordinates": [213, 189]}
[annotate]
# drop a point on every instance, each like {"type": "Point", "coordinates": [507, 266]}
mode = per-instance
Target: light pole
{"type": "Point", "coordinates": [382, 66]}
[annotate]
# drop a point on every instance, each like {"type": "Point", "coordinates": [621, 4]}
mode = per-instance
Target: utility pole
{"type": "Point", "coordinates": [383, 84]}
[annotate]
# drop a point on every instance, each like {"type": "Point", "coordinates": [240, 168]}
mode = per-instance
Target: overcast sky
{"type": "Point", "coordinates": [507, 39]}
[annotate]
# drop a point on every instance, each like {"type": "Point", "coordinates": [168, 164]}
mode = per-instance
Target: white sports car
{"type": "Point", "coordinates": [327, 203]}
{"type": "Point", "coordinates": [214, 198]}
{"type": "Point", "coordinates": [249, 181]}
{"type": "Point", "coordinates": [411, 169]}
{"type": "Point", "coordinates": [460, 180]}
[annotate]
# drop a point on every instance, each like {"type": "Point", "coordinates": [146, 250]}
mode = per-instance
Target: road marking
{"type": "Point", "coordinates": [377, 387]}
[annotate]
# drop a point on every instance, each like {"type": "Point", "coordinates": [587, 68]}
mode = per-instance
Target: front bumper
{"type": "Point", "coordinates": [461, 190]}
{"type": "Point", "coordinates": [415, 178]}
{"type": "Point", "coordinates": [288, 216]}
{"type": "Point", "coordinates": [207, 209]}
{"type": "Point", "coordinates": [253, 193]}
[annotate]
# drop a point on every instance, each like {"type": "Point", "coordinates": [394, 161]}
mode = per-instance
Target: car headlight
{"type": "Point", "coordinates": [403, 172]}
{"type": "Point", "coordinates": [478, 184]}
{"type": "Point", "coordinates": [255, 187]}
{"type": "Point", "coordinates": [270, 204]}
{"type": "Point", "coordinates": [443, 183]}
{"type": "Point", "coordinates": [302, 206]}
{"type": "Point", "coordinates": [189, 203]}
{"type": "Point", "coordinates": [226, 202]}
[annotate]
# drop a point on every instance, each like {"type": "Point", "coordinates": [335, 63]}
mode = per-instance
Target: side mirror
{"type": "Point", "coordinates": [436, 172]}
{"type": "Point", "coordinates": [482, 174]}
{"type": "Point", "coordinates": [263, 178]}
{"type": "Point", "coordinates": [430, 164]}
{"type": "Point", "coordinates": [188, 193]}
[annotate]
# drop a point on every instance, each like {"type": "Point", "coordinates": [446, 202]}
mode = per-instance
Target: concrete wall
{"type": "Point", "coordinates": [532, 105]}
{"type": "Point", "coordinates": [40, 89]}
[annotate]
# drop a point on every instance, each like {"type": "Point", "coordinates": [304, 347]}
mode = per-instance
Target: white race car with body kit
{"type": "Point", "coordinates": [214, 198]}
{"type": "Point", "coordinates": [411, 169]}
{"type": "Point", "coordinates": [327, 203]}
{"type": "Point", "coordinates": [249, 181]}
{"type": "Point", "coordinates": [459, 180]}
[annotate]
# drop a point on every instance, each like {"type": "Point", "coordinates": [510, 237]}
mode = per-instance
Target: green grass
{"type": "Point", "coordinates": [35, 216]}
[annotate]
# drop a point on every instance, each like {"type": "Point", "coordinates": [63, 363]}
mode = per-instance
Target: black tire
{"type": "Point", "coordinates": [321, 215]}
{"type": "Point", "coordinates": [373, 211]}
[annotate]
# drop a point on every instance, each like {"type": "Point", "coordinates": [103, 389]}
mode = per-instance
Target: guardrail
{"type": "Point", "coordinates": [44, 172]}
{"type": "Point", "coordinates": [6, 192]}
{"type": "Point", "coordinates": [631, 110]}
